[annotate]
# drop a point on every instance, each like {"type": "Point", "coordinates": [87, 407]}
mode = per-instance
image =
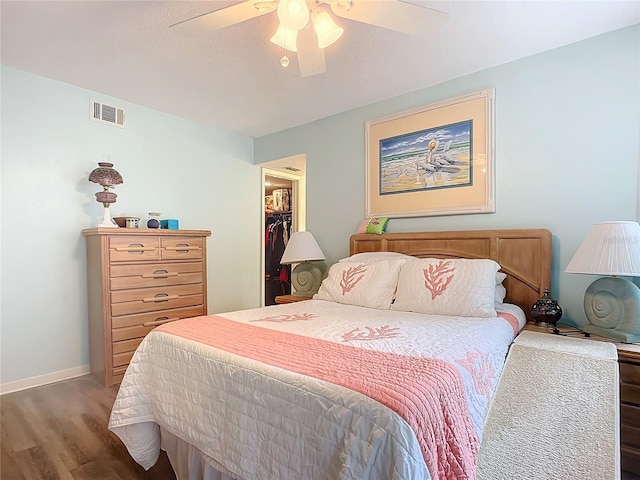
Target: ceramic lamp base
{"type": "Point", "coordinates": [107, 221]}
{"type": "Point", "coordinates": [306, 278]}
{"type": "Point", "coordinates": [612, 306]}
{"type": "Point", "coordinates": [611, 333]}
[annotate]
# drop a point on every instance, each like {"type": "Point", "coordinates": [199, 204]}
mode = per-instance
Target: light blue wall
{"type": "Point", "coordinates": [567, 155]}
{"type": "Point", "coordinates": [202, 176]}
{"type": "Point", "coordinates": [566, 152]}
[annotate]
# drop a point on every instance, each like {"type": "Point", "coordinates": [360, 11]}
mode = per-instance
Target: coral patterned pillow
{"type": "Point", "coordinates": [456, 287]}
{"type": "Point", "coordinates": [369, 285]}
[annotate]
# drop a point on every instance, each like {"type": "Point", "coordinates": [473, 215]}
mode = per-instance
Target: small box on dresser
{"type": "Point", "coordinates": [139, 279]}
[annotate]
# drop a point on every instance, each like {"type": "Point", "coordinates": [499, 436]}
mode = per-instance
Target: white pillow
{"type": "Point", "coordinates": [370, 257]}
{"type": "Point", "coordinates": [369, 285]}
{"type": "Point", "coordinates": [441, 286]}
{"type": "Point", "coordinates": [500, 292]}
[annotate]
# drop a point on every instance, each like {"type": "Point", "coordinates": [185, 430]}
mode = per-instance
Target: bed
{"type": "Point", "coordinates": [387, 373]}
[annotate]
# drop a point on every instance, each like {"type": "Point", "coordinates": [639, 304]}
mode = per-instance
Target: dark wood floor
{"type": "Point", "coordinates": [59, 431]}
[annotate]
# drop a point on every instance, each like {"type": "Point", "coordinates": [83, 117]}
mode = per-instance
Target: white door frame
{"type": "Point", "coordinates": [298, 212]}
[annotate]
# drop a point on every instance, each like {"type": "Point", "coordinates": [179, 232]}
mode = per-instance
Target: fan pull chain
{"type": "Point", "coordinates": [284, 61]}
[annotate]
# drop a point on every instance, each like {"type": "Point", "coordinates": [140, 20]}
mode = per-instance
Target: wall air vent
{"type": "Point", "coordinates": [103, 113]}
{"type": "Point", "coordinates": [292, 169]}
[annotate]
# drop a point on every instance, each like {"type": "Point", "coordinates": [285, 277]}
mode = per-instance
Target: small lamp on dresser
{"type": "Point", "coordinates": [106, 176]}
{"type": "Point", "coordinates": [306, 277]}
{"type": "Point", "coordinates": [611, 303]}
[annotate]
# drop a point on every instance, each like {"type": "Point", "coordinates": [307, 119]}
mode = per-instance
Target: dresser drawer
{"type": "Point", "coordinates": [155, 274]}
{"type": "Point", "coordinates": [123, 359]}
{"type": "Point", "coordinates": [126, 340]}
{"type": "Point", "coordinates": [129, 249]}
{"type": "Point", "coordinates": [630, 415]}
{"type": "Point", "coordinates": [630, 426]}
{"type": "Point", "coordinates": [126, 346]}
{"type": "Point", "coordinates": [134, 326]}
{"type": "Point", "coordinates": [182, 248]}
{"type": "Point", "coordinates": [630, 459]}
{"type": "Point", "coordinates": [126, 302]}
{"type": "Point", "coordinates": [630, 383]}
{"type": "Point", "coordinates": [117, 374]}
{"type": "Point", "coordinates": [630, 437]}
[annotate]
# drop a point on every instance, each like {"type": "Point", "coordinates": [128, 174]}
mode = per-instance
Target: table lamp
{"type": "Point", "coordinates": [106, 176]}
{"type": "Point", "coordinates": [611, 303]}
{"type": "Point", "coordinates": [306, 277]}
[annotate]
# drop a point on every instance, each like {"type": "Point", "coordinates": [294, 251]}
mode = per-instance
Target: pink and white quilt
{"type": "Point", "coordinates": [318, 390]}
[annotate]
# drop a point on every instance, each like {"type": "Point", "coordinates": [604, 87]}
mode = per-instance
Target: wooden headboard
{"type": "Point", "coordinates": [523, 254]}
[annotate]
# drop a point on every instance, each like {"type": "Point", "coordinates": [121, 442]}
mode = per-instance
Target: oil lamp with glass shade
{"type": "Point", "coordinates": [106, 176]}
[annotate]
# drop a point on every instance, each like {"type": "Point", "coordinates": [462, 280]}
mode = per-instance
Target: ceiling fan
{"type": "Point", "coordinates": [306, 27]}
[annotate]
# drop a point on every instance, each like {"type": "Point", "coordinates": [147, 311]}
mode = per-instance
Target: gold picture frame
{"type": "Point", "coordinates": [432, 160]}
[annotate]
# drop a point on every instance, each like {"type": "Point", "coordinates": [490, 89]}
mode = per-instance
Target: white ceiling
{"type": "Point", "coordinates": [232, 78]}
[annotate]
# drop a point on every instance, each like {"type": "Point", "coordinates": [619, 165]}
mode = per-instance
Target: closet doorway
{"type": "Point", "coordinates": [283, 213]}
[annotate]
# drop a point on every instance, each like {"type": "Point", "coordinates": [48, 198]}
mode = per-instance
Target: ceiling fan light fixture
{"type": "Point", "coordinates": [326, 29]}
{"type": "Point", "coordinates": [285, 38]}
{"type": "Point", "coordinates": [293, 14]}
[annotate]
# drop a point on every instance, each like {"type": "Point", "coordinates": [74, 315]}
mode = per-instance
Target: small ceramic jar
{"type": "Point", "coordinates": [546, 309]}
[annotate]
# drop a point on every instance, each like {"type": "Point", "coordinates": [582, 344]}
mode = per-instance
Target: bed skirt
{"type": "Point", "coordinates": [188, 462]}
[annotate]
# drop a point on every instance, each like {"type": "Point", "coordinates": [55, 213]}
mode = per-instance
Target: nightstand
{"type": "Point", "coordinates": [629, 362]}
{"type": "Point", "coordinates": [290, 299]}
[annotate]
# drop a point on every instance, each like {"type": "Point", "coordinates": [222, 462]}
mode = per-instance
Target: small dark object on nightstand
{"type": "Point", "coordinates": [546, 310]}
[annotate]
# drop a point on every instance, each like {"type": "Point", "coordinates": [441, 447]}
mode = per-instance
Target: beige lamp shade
{"type": "Point", "coordinates": [610, 248]}
{"type": "Point", "coordinates": [302, 247]}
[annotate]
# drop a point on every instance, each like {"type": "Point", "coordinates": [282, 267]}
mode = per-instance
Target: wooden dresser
{"type": "Point", "coordinates": [138, 279]}
{"type": "Point", "coordinates": [629, 363]}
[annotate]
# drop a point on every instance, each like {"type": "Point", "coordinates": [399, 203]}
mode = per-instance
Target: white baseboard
{"type": "Point", "coordinates": [40, 380]}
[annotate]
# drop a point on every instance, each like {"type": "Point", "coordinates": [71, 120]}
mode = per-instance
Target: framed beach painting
{"type": "Point", "coordinates": [432, 160]}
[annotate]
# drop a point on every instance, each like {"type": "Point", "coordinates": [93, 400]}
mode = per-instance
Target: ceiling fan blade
{"type": "Point", "coordinates": [221, 18]}
{"type": "Point", "coordinates": [391, 14]}
{"type": "Point", "coordinates": [310, 56]}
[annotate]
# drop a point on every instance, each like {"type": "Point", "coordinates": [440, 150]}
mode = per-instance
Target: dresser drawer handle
{"type": "Point", "coordinates": [161, 274]}
{"type": "Point", "coordinates": [184, 248]}
{"type": "Point", "coordinates": [159, 321]}
{"type": "Point", "coordinates": [135, 248]}
{"type": "Point", "coordinates": [161, 297]}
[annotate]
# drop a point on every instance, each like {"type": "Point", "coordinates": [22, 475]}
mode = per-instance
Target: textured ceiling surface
{"type": "Point", "coordinates": [232, 78]}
